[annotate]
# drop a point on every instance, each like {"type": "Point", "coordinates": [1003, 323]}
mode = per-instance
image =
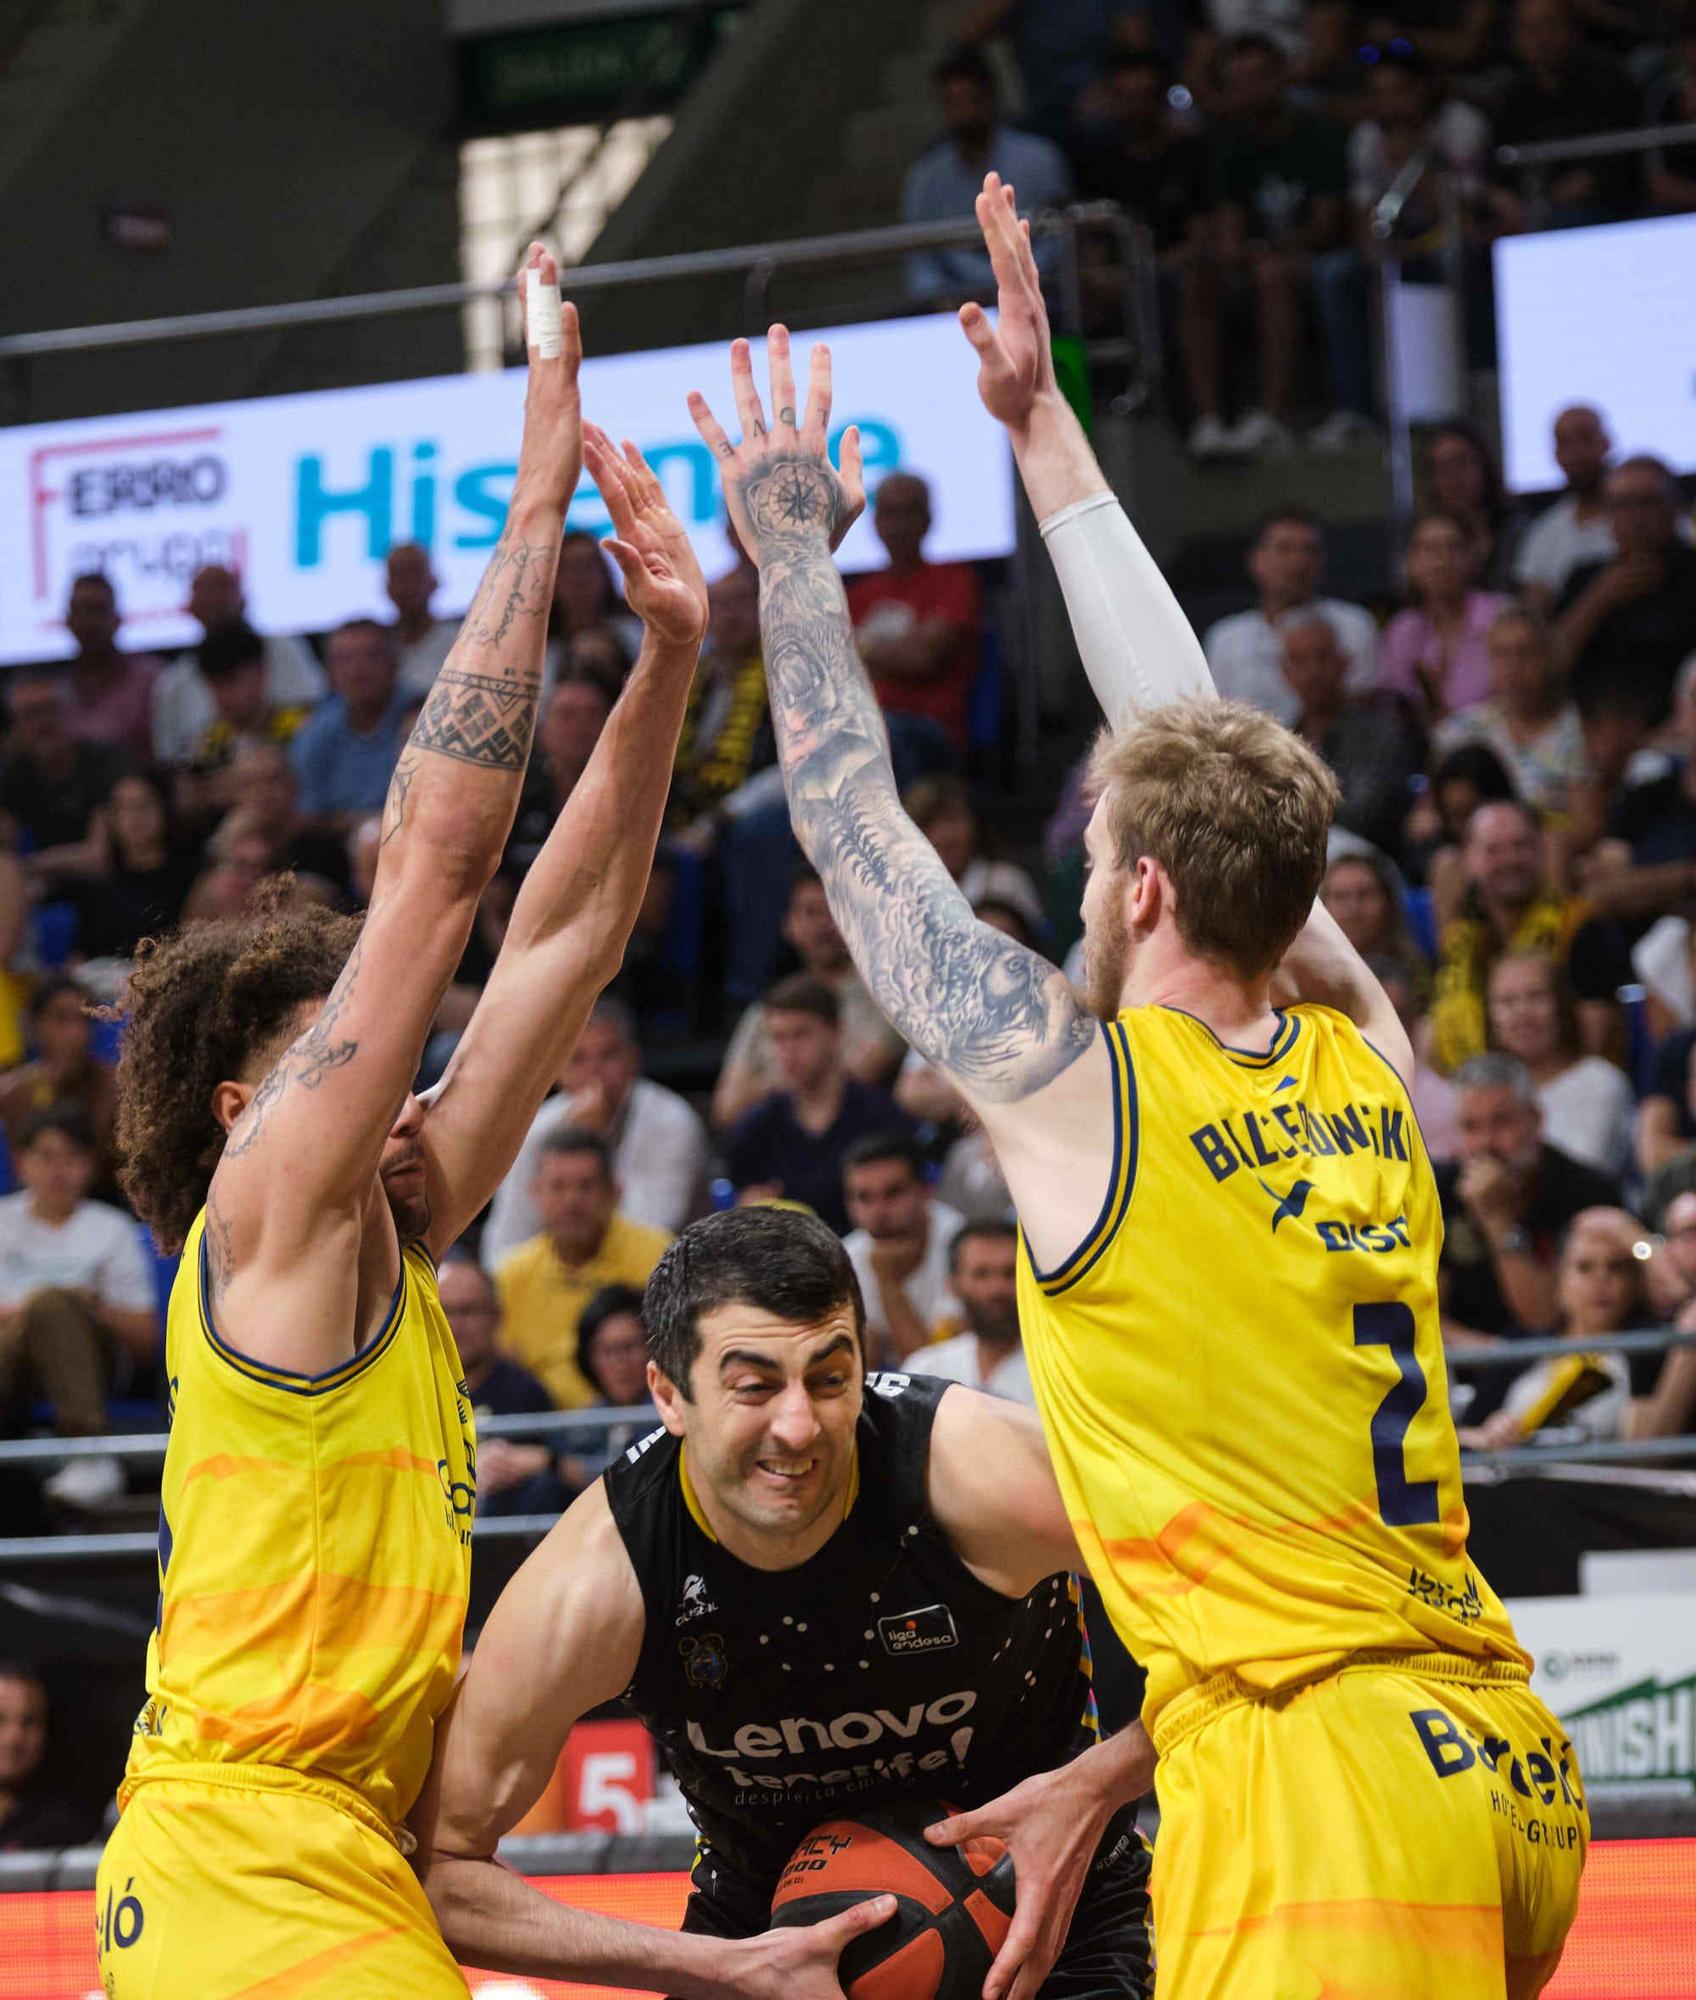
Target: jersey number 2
{"type": "Point", "coordinates": [1402, 1502]}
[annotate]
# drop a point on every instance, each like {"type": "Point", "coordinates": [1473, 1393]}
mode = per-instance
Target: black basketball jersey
{"type": "Point", "coordinates": [882, 1667]}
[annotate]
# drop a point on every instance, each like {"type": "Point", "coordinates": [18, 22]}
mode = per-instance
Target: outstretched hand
{"type": "Point", "coordinates": [1052, 1828]}
{"type": "Point", "coordinates": [663, 583]}
{"type": "Point", "coordinates": [1015, 362]}
{"type": "Point", "coordinates": [779, 483]}
{"type": "Point", "coordinates": [550, 459]}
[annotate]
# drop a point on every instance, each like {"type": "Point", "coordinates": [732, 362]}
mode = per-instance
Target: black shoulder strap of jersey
{"type": "Point", "coordinates": [894, 1441]}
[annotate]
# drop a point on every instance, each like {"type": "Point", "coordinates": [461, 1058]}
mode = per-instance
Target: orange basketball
{"type": "Point", "coordinates": [953, 1904]}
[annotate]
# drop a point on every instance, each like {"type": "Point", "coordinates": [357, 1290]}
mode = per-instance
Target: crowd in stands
{"type": "Point", "coordinates": [1277, 151]}
{"type": "Point", "coordinates": [1515, 853]}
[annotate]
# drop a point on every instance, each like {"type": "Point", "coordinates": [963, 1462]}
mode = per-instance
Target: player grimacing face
{"type": "Point", "coordinates": [770, 1427]}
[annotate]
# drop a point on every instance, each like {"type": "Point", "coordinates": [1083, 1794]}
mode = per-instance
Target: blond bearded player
{"type": "Point", "coordinates": [315, 1527]}
{"type": "Point", "coordinates": [1228, 1275]}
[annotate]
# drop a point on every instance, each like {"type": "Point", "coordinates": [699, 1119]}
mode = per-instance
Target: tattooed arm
{"type": "Point", "coordinates": [997, 1019]}
{"type": "Point", "coordinates": [580, 899]}
{"type": "Point", "coordinates": [301, 1252]}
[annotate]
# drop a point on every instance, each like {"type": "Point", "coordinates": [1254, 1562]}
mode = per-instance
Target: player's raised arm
{"type": "Point", "coordinates": [580, 899]}
{"type": "Point", "coordinates": [566, 1636]}
{"type": "Point", "coordinates": [996, 1017]}
{"type": "Point", "coordinates": [1137, 646]}
{"type": "Point", "coordinates": [301, 1160]}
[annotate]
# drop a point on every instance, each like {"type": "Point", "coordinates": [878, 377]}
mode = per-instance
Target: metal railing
{"type": "Point", "coordinates": [758, 262]}
{"type": "Point", "coordinates": [1597, 146]}
{"type": "Point", "coordinates": [145, 1448]}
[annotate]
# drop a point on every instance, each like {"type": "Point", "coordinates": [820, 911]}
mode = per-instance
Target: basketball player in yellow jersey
{"type": "Point", "coordinates": [320, 1480]}
{"type": "Point", "coordinates": [1229, 1282]}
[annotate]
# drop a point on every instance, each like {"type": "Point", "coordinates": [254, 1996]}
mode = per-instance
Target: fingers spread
{"type": "Point", "coordinates": [712, 431]}
{"type": "Point", "coordinates": [782, 377]}
{"type": "Point", "coordinates": [747, 396]}
{"type": "Point", "coordinates": [607, 470]}
{"type": "Point", "coordinates": [817, 426]}
{"type": "Point", "coordinates": [851, 463]}
{"type": "Point", "coordinates": [647, 484]}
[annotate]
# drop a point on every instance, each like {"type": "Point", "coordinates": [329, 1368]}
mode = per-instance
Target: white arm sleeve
{"type": "Point", "coordinates": [1138, 648]}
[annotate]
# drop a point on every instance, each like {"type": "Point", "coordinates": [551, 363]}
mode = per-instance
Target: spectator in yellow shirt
{"type": "Point", "coordinates": [585, 1243]}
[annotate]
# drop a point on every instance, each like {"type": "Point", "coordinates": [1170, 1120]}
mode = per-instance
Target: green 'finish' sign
{"type": "Point", "coordinates": [584, 70]}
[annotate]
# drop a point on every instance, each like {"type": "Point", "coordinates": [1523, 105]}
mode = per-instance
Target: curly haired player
{"type": "Point", "coordinates": [314, 1534]}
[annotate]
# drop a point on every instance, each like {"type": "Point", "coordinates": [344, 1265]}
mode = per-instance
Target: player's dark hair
{"type": "Point", "coordinates": [228, 647]}
{"type": "Point", "coordinates": [68, 1120]}
{"type": "Point", "coordinates": [777, 1259]}
{"type": "Point", "coordinates": [991, 1227]}
{"type": "Point", "coordinates": [87, 576]}
{"type": "Point", "coordinates": [891, 1144]}
{"type": "Point", "coordinates": [205, 1004]}
{"type": "Point", "coordinates": [573, 1139]}
{"type": "Point", "coordinates": [801, 993]}
{"type": "Point", "coordinates": [610, 1302]}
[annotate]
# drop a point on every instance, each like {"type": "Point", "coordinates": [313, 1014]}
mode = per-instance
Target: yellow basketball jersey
{"type": "Point", "coordinates": [1240, 1369]}
{"type": "Point", "coordinates": [314, 1552]}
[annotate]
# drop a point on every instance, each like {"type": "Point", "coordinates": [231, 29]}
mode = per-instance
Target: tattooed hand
{"type": "Point", "coordinates": [550, 458]}
{"type": "Point", "coordinates": [781, 488]}
{"type": "Point", "coordinates": [663, 583]}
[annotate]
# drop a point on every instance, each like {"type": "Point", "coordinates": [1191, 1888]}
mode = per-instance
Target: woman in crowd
{"type": "Point", "coordinates": [62, 1071]}
{"type": "Point", "coordinates": [612, 1354]}
{"type": "Point", "coordinates": [1459, 476]}
{"type": "Point", "coordinates": [142, 873]}
{"type": "Point", "coordinates": [1526, 719]}
{"type": "Point", "coordinates": [1360, 891]}
{"type": "Point", "coordinates": [1436, 651]}
{"type": "Point", "coordinates": [1588, 1106]}
{"type": "Point", "coordinates": [1461, 782]}
{"type": "Point", "coordinates": [1572, 1397]}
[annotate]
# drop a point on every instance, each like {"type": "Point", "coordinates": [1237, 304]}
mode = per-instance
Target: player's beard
{"type": "Point", "coordinates": [1106, 947]}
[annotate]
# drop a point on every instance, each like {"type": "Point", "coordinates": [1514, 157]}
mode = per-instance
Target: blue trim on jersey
{"type": "Point", "coordinates": [1126, 1135]}
{"type": "Point", "coordinates": [1283, 1039]}
{"type": "Point", "coordinates": [1059, 1271]}
{"type": "Point", "coordinates": [295, 1383]}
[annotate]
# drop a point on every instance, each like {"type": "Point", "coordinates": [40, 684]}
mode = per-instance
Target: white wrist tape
{"type": "Point", "coordinates": [541, 316]}
{"type": "Point", "coordinates": [1138, 648]}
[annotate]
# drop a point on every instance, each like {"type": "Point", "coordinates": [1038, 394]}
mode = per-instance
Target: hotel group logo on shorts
{"type": "Point", "coordinates": [147, 506]}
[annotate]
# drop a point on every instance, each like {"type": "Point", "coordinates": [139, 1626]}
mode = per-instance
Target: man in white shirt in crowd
{"type": "Point", "coordinates": [1246, 651]}
{"type": "Point", "coordinates": [183, 707]}
{"type": "Point", "coordinates": [898, 1245]}
{"type": "Point", "coordinates": [1578, 527]}
{"type": "Point", "coordinates": [659, 1144]}
{"type": "Point", "coordinates": [872, 1050]}
{"type": "Point", "coordinates": [422, 640]}
{"type": "Point", "coordinates": [989, 1355]}
{"type": "Point", "coordinates": [76, 1294]}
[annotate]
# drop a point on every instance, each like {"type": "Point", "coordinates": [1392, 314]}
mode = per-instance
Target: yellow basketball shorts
{"type": "Point", "coordinates": [212, 1891]}
{"type": "Point", "coordinates": [1395, 1831]}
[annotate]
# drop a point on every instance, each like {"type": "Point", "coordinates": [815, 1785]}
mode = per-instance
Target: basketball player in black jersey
{"type": "Point", "coordinates": [822, 1592]}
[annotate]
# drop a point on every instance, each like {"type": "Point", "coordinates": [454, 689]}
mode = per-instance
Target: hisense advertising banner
{"type": "Point", "coordinates": [305, 494]}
